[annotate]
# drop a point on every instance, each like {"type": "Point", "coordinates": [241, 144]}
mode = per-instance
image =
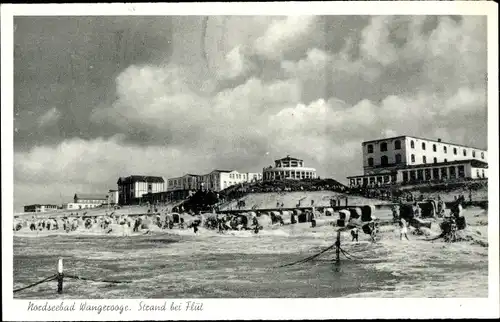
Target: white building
{"type": "Point", "coordinates": [218, 180]}
{"type": "Point", "coordinates": [113, 197]}
{"type": "Point", "coordinates": [132, 188]}
{"type": "Point", "coordinates": [80, 205]}
{"type": "Point", "coordinates": [39, 208]}
{"type": "Point", "coordinates": [288, 168]}
{"type": "Point", "coordinates": [409, 159]}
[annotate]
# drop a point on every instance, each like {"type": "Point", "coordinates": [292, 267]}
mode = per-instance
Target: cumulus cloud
{"type": "Point", "coordinates": [49, 118]}
{"type": "Point", "coordinates": [285, 36]}
{"type": "Point", "coordinates": [278, 92]}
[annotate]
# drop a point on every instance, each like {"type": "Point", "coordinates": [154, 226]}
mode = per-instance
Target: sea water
{"type": "Point", "coordinates": [182, 264]}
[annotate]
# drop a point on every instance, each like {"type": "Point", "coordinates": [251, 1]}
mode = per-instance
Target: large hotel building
{"type": "Point", "coordinates": [406, 159]}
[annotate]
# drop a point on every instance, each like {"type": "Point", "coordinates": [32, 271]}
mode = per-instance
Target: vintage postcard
{"type": "Point", "coordinates": [250, 161]}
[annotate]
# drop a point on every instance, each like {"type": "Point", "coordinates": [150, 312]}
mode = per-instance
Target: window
{"type": "Point", "coordinates": [405, 176]}
{"type": "Point", "coordinates": [445, 160]}
{"type": "Point", "coordinates": [483, 173]}
{"type": "Point", "coordinates": [452, 172]}
{"type": "Point", "coordinates": [412, 144]}
{"type": "Point", "coordinates": [473, 153]}
{"type": "Point", "coordinates": [384, 160]}
{"type": "Point", "coordinates": [370, 162]}
{"type": "Point", "coordinates": [465, 152]}
{"type": "Point", "coordinates": [455, 151]}
{"type": "Point", "coordinates": [383, 147]}
{"type": "Point", "coordinates": [370, 148]}
{"type": "Point", "coordinates": [413, 158]}
{"type": "Point", "coordinates": [445, 150]}
{"type": "Point", "coordinates": [427, 173]}
{"type": "Point", "coordinates": [482, 156]}
{"type": "Point", "coordinates": [434, 148]}
{"type": "Point", "coordinates": [397, 145]}
{"type": "Point", "coordinates": [435, 173]}
{"type": "Point", "coordinates": [424, 159]}
{"type": "Point", "coordinates": [398, 158]}
{"type": "Point", "coordinates": [423, 145]}
{"type": "Point", "coordinates": [461, 171]}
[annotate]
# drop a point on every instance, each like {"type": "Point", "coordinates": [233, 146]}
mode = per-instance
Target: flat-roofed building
{"type": "Point", "coordinates": [288, 168]}
{"type": "Point", "coordinates": [405, 159]}
{"type": "Point", "coordinates": [40, 208]}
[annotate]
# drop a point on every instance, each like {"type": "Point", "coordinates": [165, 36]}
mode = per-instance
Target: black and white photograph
{"type": "Point", "coordinates": [248, 156]}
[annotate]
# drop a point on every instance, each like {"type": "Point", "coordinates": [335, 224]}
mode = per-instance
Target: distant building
{"type": "Point", "coordinates": [182, 187]}
{"type": "Point", "coordinates": [406, 159]}
{"type": "Point", "coordinates": [40, 208]}
{"type": "Point", "coordinates": [86, 201]}
{"type": "Point", "coordinates": [113, 197]}
{"type": "Point", "coordinates": [218, 180]}
{"type": "Point", "coordinates": [288, 168]}
{"type": "Point", "coordinates": [132, 188]}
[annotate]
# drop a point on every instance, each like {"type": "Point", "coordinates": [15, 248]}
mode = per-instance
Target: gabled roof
{"type": "Point", "coordinates": [140, 178]}
{"type": "Point", "coordinates": [89, 196]}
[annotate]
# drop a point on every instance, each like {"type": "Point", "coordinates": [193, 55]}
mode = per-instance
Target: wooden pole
{"type": "Point", "coordinates": [60, 276]}
{"type": "Point", "coordinates": [337, 248]}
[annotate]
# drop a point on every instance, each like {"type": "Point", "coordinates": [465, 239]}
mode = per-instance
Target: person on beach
{"type": "Point", "coordinates": [395, 213]}
{"type": "Point", "coordinates": [416, 210]}
{"type": "Point", "coordinates": [313, 219]}
{"type": "Point", "coordinates": [195, 225]}
{"type": "Point", "coordinates": [403, 230]}
{"type": "Point", "coordinates": [355, 234]}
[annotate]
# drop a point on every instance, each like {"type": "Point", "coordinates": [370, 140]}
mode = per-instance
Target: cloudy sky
{"type": "Point", "coordinates": [101, 97]}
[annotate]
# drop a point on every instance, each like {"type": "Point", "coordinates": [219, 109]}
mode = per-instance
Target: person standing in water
{"type": "Point", "coordinates": [403, 229]}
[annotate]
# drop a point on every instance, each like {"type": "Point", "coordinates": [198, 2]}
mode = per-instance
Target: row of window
{"type": "Point", "coordinates": [383, 146]}
{"type": "Point", "coordinates": [397, 146]}
{"type": "Point", "coordinates": [237, 176]}
{"type": "Point", "coordinates": [429, 174]}
{"type": "Point", "coordinates": [384, 160]}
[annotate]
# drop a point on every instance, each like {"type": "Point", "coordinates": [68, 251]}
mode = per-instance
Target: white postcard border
{"type": "Point", "coordinates": [258, 308]}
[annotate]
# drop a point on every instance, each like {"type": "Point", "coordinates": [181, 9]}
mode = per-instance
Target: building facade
{"type": "Point", "coordinates": [40, 208]}
{"type": "Point", "coordinates": [186, 182]}
{"type": "Point", "coordinates": [288, 168]}
{"type": "Point", "coordinates": [216, 180]}
{"type": "Point", "coordinates": [132, 188]}
{"type": "Point", "coordinates": [113, 197]}
{"type": "Point", "coordinates": [405, 159]}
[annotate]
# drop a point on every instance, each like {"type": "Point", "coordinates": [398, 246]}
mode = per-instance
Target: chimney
{"type": "Point", "coordinates": [439, 140]}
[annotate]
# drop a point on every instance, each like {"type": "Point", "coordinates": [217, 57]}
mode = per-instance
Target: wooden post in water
{"type": "Point", "coordinates": [337, 248]}
{"type": "Point", "coordinates": [60, 276]}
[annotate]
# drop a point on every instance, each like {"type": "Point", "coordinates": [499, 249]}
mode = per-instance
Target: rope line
{"type": "Point", "coordinates": [94, 280]}
{"type": "Point", "coordinates": [346, 254]}
{"type": "Point", "coordinates": [308, 258]}
{"type": "Point", "coordinates": [48, 279]}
